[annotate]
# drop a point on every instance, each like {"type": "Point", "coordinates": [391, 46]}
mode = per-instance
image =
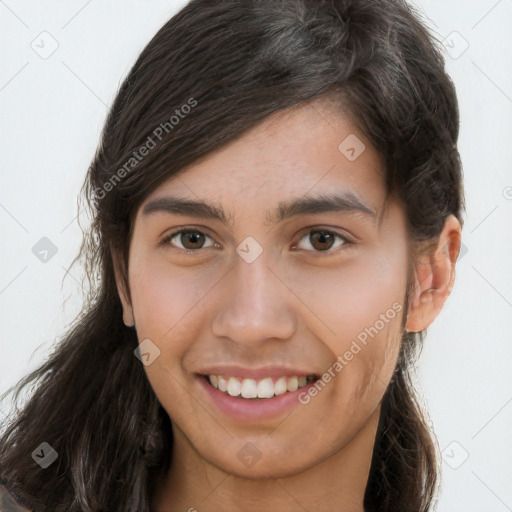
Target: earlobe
{"type": "Point", "coordinates": [128, 317]}
{"type": "Point", "coordinates": [434, 277]}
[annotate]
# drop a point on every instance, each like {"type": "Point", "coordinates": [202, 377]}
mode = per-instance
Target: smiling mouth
{"type": "Point", "coordinates": [255, 389]}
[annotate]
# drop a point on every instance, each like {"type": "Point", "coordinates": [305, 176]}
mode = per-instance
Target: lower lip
{"type": "Point", "coordinates": [250, 410]}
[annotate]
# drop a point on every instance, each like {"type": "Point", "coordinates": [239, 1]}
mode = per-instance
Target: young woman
{"type": "Point", "coordinates": [277, 209]}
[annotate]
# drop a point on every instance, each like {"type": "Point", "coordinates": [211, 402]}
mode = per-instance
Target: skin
{"type": "Point", "coordinates": [293, 305]}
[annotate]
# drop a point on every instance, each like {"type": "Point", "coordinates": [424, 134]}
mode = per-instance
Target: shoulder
{"type": "Point", "coordinates": [8, 502]}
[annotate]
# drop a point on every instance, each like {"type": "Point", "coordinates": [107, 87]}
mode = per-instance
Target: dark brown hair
{"type": "Point", "coordinates": [233, 63]}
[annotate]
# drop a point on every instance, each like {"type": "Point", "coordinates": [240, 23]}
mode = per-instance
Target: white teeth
{"type": "Point", "coordinates": [234, 386]}
{"type": "Point", "coordinates": [292, 384]}
{"type": "Point", "coordinates": [265, 388]}
{"type": "Point", "coordinates": [223, 384]}
{"type": "Point", "coordinates": [280, 386]}
{"type": "Point", "coordinates": [249, 388]}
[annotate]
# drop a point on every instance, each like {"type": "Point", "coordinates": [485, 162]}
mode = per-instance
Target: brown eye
{"type": "Point", "coordinates": [187, 240]}
{"type": "Point", "coordinates": [321, 240]}
{"type": "Point", "coordinates": [192, 239]}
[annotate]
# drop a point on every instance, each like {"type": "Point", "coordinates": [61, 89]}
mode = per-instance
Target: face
{"type": "Point", "coordinates": [293, 275]}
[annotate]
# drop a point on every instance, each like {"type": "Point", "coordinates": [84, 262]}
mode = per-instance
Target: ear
{"type": "Point", "coordinates": [128, 317]}
{"type": "Point", "coordinates": [434, 277]}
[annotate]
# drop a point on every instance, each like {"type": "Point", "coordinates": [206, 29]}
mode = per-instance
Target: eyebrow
{"type": "Point", "coordinates": [345, 202]}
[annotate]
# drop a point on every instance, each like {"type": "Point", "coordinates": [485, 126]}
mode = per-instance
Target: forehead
{"type": "Point", "coordinates": [308, 151]}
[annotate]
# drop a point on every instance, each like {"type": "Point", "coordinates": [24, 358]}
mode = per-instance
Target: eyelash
{"type": "Point", "coordinates": [346, 241]}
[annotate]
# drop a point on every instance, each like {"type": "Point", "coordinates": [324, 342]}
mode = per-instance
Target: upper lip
{"type": "Point", "coordinates": [255, 373]}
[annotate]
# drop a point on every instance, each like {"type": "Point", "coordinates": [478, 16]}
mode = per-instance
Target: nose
{"type": "Point", "coordinates": [254, 304]}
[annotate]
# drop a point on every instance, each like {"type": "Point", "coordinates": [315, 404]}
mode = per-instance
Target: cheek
{"type": "Point", "coordinates": [167, 308]}
{"type": "Point", "coordinates": [353, 296]}
{"type": "Point", "coordinates": [358, 309]}
{"type": "Point", "coordinates": [166, 302]}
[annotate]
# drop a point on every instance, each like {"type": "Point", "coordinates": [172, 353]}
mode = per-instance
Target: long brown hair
{"type": "Point", "coordinates": [213, 71]}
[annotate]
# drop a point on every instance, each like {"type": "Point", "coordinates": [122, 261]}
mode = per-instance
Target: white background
{"type": "Point", "coordinates": [52, 112]}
